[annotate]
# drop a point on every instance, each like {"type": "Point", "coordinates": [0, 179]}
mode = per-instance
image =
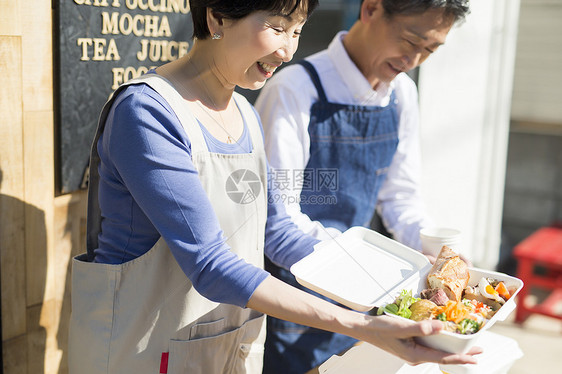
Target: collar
{"type": "Point", "coordinates": [355, 81]}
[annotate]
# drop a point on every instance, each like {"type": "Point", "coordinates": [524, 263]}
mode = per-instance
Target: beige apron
{"type": "Point", "coordinates": [132, 317]}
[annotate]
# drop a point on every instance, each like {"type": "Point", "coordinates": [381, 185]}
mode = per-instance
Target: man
{"type": "Point", "coordinates": [341, 132]}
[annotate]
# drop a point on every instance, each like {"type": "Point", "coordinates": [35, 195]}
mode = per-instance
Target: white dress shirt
{"type": "Point", "coordinates": [284, 106]}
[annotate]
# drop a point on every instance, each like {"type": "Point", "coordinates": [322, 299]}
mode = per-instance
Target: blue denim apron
{"type": "Point", "coordinates": [351, 148]}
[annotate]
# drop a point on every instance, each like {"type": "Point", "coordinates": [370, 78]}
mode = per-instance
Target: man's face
{"type": "Point", "coordinates": [401, 43]}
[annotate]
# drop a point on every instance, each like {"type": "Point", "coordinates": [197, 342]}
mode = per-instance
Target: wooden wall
{"type": "Point", "coordinates": [38, 231]}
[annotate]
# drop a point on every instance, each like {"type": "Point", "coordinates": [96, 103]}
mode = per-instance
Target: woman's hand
{"type": "Point", "coordinates": [397, 337]}
{"type": "Point", "coordinates": [393, 335]}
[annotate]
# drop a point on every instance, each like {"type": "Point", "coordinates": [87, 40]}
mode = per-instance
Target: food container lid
{"type": "Point", "coordinates": [362, 269]}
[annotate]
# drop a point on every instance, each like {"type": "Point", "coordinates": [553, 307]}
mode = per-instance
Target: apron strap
{"type": "Point", "coordinates": [315, 78]}
{"type": "Point", "coordinates": [93, 217]}
{"type": "Point", "coordinates": [190, 124]}
{"type": "Point", "coordinates": [177, 102]}
{"type": "Point", "coordinates": [251, 118]}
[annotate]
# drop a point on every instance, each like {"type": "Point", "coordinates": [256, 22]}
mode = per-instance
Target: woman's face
{"type": "Point", "coordinates": [255, 46]}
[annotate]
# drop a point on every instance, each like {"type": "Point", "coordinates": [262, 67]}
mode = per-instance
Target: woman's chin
{"type": "Point", "coordinates": [252, 86]}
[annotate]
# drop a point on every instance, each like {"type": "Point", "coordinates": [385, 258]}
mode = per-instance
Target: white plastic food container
{"type": "Point", "coordinates": [500, 354]}
{"type": "Point", "coordinates": [363, 269]}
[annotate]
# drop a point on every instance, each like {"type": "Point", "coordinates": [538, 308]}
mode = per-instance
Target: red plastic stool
{"type": "Point", "coordinates": [541, 250]}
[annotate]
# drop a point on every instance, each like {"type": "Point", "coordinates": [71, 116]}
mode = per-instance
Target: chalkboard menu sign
{"type": "Point", "coordinates": [101, 44]}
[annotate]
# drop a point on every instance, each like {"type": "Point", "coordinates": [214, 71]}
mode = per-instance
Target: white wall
{"type": "Point", "coordinates": [538, 73]}
{"type": "Point", "coordinates": [465, 94]}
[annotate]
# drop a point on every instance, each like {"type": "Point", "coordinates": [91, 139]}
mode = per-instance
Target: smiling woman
{"type": "Point", "coordinates": [174, 270]}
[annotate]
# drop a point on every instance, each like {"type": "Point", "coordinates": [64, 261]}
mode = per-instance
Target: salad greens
{"type": "Point", "coordinates": [401, 305]}
{"type": "Point", "coordinates": [461, 317]}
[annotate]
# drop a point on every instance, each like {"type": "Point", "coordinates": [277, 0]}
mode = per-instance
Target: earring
{"type": "Point", "coordinates": [216, 36]}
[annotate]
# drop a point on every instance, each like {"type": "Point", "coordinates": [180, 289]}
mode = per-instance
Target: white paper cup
{"type": "Point", "coordinates": [434, 238]}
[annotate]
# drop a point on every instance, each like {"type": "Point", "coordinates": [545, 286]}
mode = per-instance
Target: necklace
{"type": "Point", "coordinates": [230, 139]}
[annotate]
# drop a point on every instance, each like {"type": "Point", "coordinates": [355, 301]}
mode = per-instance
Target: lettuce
{"type": "Point", "coordinates": [401, 306]}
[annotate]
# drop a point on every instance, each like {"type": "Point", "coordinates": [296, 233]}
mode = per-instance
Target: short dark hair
{"type": "Point", "coordinates": [458, 9]}
{"type": "Point", "coordinates": [237, 9]}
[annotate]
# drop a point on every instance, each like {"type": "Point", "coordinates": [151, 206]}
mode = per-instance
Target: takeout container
{"type": "Point", "coordinates": [500, 354]}
{"type": "Point", "coordinates": [363, 269]}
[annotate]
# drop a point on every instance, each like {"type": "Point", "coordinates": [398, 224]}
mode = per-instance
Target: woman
{"type": "Point", "coordinates": [178, 215]}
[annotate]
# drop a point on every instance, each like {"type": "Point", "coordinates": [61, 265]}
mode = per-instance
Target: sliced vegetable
{"type": "Point", "coordinates": [468, 326]}
{"type": "Point", "coordinates": [454, 311]}
{"type": "Point", "coordinates": [390, 308]}
{"type": "Point", "coordinates": [401, 305]}
{"type": "Point", "coordinates": [502, 290]}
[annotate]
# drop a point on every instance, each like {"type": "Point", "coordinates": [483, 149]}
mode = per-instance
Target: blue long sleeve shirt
{"type": "Point", "coordinates": [149, 188]}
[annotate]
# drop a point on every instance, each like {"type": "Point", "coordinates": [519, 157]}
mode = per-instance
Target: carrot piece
{"type": "Point", "coordinates": [502, 291]}
{"type": "Point", "coordinates": [454, 311]}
